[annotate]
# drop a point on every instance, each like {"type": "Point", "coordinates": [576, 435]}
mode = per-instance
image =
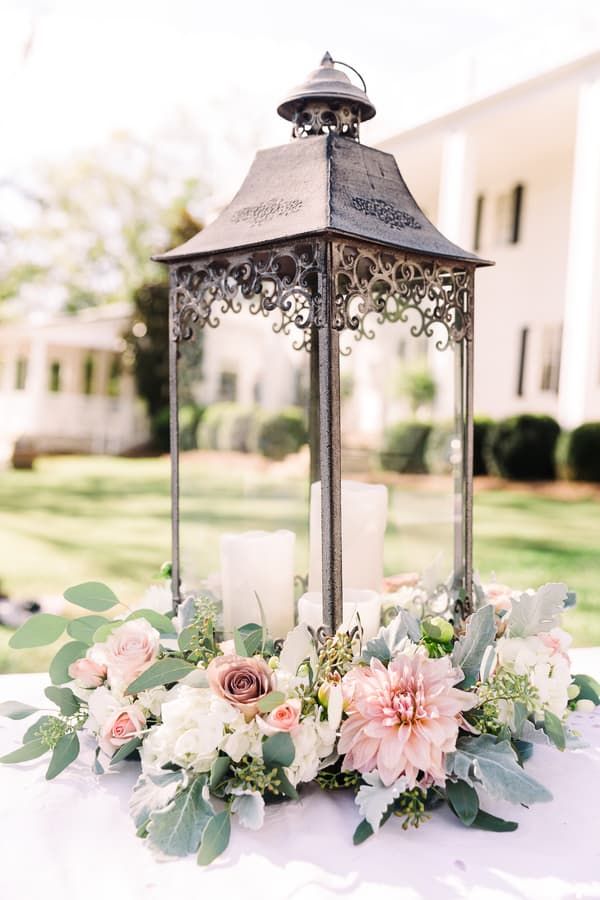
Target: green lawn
{"type": "Point", "coordinates": [80, 518]}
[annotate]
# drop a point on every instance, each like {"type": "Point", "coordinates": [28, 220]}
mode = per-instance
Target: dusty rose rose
{"type": "Point", "coordinates": [240, 680]}
{"type": "Point", "coordinates": [87, 673]}
{"type": "Point", "coordinates": [283, 718]}
{"type": "Point", "coordinates": [393, 583]}
{"type": "Point", "coordinates": [404, 719]}
{"type": "Point", "coordinates": [120, 727]}
{"type": "Point", "coordinates": [129, 651]}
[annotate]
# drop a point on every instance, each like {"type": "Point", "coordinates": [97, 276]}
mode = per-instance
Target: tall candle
{"type": "Point", "coordinates": [363, 606]}
{"type": "Point", "coordinates": [364, 517]}
{"type": "Point", "coordinates": [258, 562]}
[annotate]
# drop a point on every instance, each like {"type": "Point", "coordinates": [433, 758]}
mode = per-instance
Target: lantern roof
{"type": "Point", "coordinates": [324, 183]}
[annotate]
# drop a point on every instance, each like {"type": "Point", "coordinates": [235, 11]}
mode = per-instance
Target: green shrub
{"type": "Point", "coordinates": [522, 448]}
{"type": "Point", "coordinates": [404, 447]}
{"type": "Point", "coordinates": [439, 452]}
{"type": "Point", "coordinates": [228, 426]}
{"type": "Point", "coordinates": [159, 428]}
{"type": "Point", "coordinates": [481, 429]}
{"type": "Point", "coordinates": [190, 417]}
{"type": "Point", "coordinates": [561, 455]}
{"type": "Point", "coordinates": [282, 433]}
{"type": "Point", "coordinates": [583, 453]}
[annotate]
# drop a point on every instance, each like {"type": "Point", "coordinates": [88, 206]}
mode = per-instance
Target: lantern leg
{"type": "Point", "coordinates": [468, 464]}
{"type": "Point", "coordinates": [174, 456]}
{"type": "Point", "coordinates": [314, 437]}
{"type": "Point", "coordinates": [459, 467]}
{"type": "Point", "coordinates": [330, 469]}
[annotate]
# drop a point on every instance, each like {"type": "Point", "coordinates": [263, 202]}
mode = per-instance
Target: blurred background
{"type": "Point", "coordinates": [128, 125]}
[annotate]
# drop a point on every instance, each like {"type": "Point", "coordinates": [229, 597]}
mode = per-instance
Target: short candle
{"type": "Point", "coordinates": [365, 605]}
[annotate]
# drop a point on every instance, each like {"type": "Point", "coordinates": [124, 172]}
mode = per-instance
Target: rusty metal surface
{"type": "Point", "coordinates": [330, 84]}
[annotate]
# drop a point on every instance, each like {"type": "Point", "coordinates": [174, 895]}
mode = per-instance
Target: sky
{"type": "Point", "coordinates": [74, 71]}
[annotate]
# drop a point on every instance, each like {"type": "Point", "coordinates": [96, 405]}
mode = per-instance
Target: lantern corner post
{"type": "Point", "coordinates": [330, 467]}
{"type": "Point", "coordinates": [469, 354]}
{"type": "Point", "coordinates": [174, 445]}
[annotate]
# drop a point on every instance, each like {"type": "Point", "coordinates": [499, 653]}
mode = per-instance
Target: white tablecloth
{"type": "Point", "coordinates": [73, 838]}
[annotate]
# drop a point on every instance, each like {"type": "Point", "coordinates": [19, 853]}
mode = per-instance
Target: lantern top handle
{"type": "Point", "coordinates": [326, 100]}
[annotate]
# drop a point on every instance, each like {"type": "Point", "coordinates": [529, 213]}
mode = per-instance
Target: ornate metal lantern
{"type": "Point", "coordinates": [325, 237]}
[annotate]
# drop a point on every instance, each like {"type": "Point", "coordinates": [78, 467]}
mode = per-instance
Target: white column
{"type": "Point", "coordinates": [455, 221]}
{"type": "Point", "coordinates": [36, 386]}
{"type": "Point", "coordinates": [577, 364]}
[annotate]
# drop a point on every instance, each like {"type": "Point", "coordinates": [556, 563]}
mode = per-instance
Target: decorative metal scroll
{"type": "Point", "coordinates": [327, 117]}
{"type": "Point", "coordinates": [370, 286]}
{"type": "Point", "coordinates": [282, 281]}
{"type": "Point", "coordinates": [431, 295]}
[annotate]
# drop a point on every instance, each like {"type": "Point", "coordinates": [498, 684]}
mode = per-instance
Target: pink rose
{"type": "Point", "coordinates": [284, 717]}
{"type": "Point", "coordinates": [240, 680]}
{"type": "Point", "coordinates": [120, 727]}
{"type": "Point", "coordinates": [129, 650]}
{"type": "Point", "coordinates": [393, 583]}
{"type": "Point", "coordinates": [87, 673]}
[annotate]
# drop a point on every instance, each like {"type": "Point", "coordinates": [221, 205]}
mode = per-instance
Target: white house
{"type": "Point", "coordinates": [63, 385]}
{"type": "Point", "coordinates": [516, 177]}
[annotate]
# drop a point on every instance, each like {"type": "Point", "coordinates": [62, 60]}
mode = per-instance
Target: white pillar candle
{"type": "Point", "coordinates": [364, 517]}
{"type": "Point", "coordinates": [363, 604]}
{"type": "Point", "coordinates": [258, 562]}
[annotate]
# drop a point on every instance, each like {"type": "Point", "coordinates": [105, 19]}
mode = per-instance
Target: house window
{"type": "Point", "coordinates": [478, 222]}
{"type": "Point", "coordinates": [551, 350]}
{"type": "Point", "coordinates": [509, 216]}
{"type": "Point", "coordinates": [88, 375]}
{"type": "Point", "coordinates": [114, 377]}
{"type": "Point", "coordinates": [227, 387]}
{"type": "Point", "coordinates": [54, 377]}
{"type": "Point", "coordinates": [21, 373]}
{"type": "Point", "coordinates": [523, 336]}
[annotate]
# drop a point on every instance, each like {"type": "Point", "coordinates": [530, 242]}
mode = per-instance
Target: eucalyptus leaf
{"type": "Point", "coordinates": [65, 752]}
{"type": "Point", "coordinates": [104, 631]}
{"type": "Point", "coordinates": [215, 838]}
{"type": "Point", "coordinates": [469, 651]}
{"type": "Point", "coordinates": [463, 800]}
{"type": "Point", "coordinates": [153, 791]}
{"type": "Point", "coordinates": [554, 729]}
{"type": "Point", "coordinates": [125, 750]}
{"type": "Point", "coordinates": [85, 627]}
{"type": "Point", "coordinates": [248, 639]}
{"type": "Point", "coordinates": [177, 829]}
{"type": "Point", "coordinates": [30, 750]}
{"type": "Point", "coordinates": [64, 698]}
{"type": "Point", "coordinates": [285, 785]}
{"type": "Point", "coordinates": [589, 689]}
{"type": "Point", "coordinates": [68, 653]}
{"type": "Point", "coordinates": [363, 831]}
{"type": "Point", "coordinates": [390, 638]}
{"type": "Point", "coordinates": [12, 709]}
{"type": "Point", "coordinates": [166, 671]}
{"type": "Point", "coordinates": [487, 822]}
{"type": "Point", "coordinates": [33, 732]}
{"type": "Point", "coordinates": [218, 772]}
{"type": "Point", "coordinates": [163, 624]}
{"type": "Point", "coordinates": [494, 765]}
{"type": "Point", "coordinates": [278, 750]}
{"type": "Point", "coordinates": [270, 701]}
{"type": "Point", "coordinates": [92, 595]}
{"type": "Point", "coordinates": [532, 613]}
{"type": "Point", "coordinates": [39, 630]}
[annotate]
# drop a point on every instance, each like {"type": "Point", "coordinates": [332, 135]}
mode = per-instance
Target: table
{"type": "Point", "coordinates": [73, 838]}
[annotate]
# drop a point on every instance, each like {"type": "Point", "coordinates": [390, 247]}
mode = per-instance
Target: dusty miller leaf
{"type": "Point", "coordinates": [249, 807]}
{"type": "Point", "coordinates": [469, 651]}
{"type": "Point", "coordinates": [177, 829]}
{"type": "Point", "coordinates": [532, 613]}
{"type": "Point", "coordinates": [390, 638]}
{"type": "Point", "coordinates": [374, 798]}
{"type": "Point", "coordinates": [152, 792]}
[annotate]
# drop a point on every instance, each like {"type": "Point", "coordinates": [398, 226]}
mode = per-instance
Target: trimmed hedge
{"type": "Point", "coordinates": [282, 433]}
{"type": "Point", "coordinates": [227, 426]}
{"type": "Point", "coordinates": [583, 452]}
{"type": "Point", "coordinates": [522, 448]}
{"type": "Point", "coordinates": [404, 447]}
{"type": "Point", "coordinates": [189, 417]}
{"type": "Point", "coordinates": [438, 449]}
{"type": "Point", "coordinates": [482, 427]}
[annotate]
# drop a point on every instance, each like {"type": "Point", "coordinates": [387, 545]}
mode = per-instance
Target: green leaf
{"type": "Point", "coordinates": [487, 822]}
{"type": "Point", "coordinates": [68, 653]}
{"type": "Point", "coordinates": [589, 689]}
{"type": "Point", "coordinates": [469, 650]}
{"type": "Point", "coordinates": [153, 791]}
{"type": "Point", "coordinates": [165, 671]}
{"type": "Point", "coordinates": [92, 595]}
{"type": "Point", "coordinates": [64, 698]}
{"type": "Point", "coordinates": [162, 624]}
{"type": "Point", "coordinates": [278, 750]}
{"type": "Point", "coordinates": [363, 832]}
{"type": "Point", "coordinates": [125, 751]}
{"type": "Point", "coordinates": [270, 701]}
{"type": "Point", "coordinates": [215, 838]}
{"type": "Point", "coordinates": [32, 733]}
{"type": "Point", "coordinates": [285, 785]}
{"type": "Point", "coordinates": [463, 800]}
{"type": "Point", "coordinates": [15, 710]}
{"type": "Point", "coordinates": [65, 752]}
{"type": "Point", "coordinates": [39, 630]}
{"type": "Point", "coordinates": [85, 627]}
{"type": "Point", "coordinates": [185, 639]}
{"type": "Point", "coordinates": [177, 829]}
{"type": "Point", "coordinates": [218, 772]}
{"type": "Point", "coordinates": [104, 631]}
{"type": "Point", "coordinates": [494, 765]}
{"type": "Point", "coordinates": [388, 640]}
{"type": "Point", "coordinates": [30, 750]}
{"type": "Point", "coordinates": [248, 639]}
{"type": "Point", "coordinates": [554, 729]}
{"type": "Point", "coordinates": [97, 768]}
{"type": "Point", "coordinates": [532, 613]}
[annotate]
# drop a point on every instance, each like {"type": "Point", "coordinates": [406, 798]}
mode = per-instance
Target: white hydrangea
{"type": "Point", "coordinates": [314, 739]}
{"type": "Point", "coordinates": [543, 658]}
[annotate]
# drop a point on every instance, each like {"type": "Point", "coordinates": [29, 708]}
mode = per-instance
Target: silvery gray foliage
{"type": "Point", "coordinates": [532, 613]}
{"type": "Point", "coordinates": [177, 829]}
{"type": "Point", "coordinates": [186, 612]}
{"type": "Point", "coordinates": [483, 762]}
{"type": "Point", "coordinates": [152, 792]}
{"type": "Point", "coordinates": [469, 651]}
{"type": "Point", "coordinates": [389, 638]}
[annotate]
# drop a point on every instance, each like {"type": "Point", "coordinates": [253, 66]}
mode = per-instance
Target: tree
{"type": "Point", "coordinates": [419, 387]}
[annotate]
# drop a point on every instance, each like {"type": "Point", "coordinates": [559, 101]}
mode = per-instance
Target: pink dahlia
{"type": "Point", "coordinates": [403, 719]}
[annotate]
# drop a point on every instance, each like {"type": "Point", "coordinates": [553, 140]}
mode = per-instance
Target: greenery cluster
{"type": "Point", "coordinates": [248, 429]}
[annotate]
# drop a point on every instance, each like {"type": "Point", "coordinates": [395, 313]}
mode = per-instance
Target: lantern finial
{"type": "Point", "coordinates": [327, 102]}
